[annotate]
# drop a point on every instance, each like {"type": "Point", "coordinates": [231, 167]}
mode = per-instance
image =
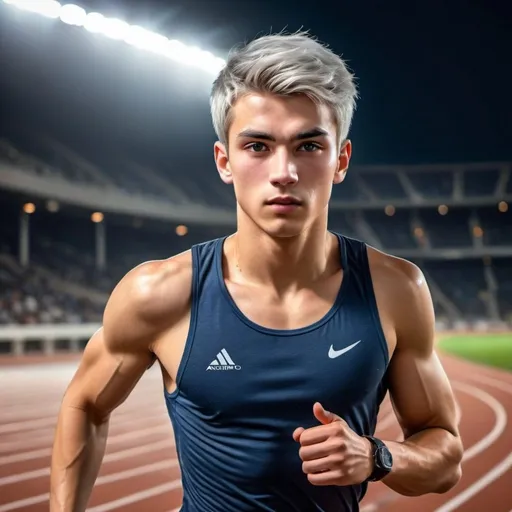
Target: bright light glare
{"type": "Point", "coordinates": [94, 22]}
{"type": "Point", "coordinates": [146, 40]}
{"type": "Point", "coordinates": [48, 8]}
{"type": "Point", "coordinates": [73, 15]}
{"type": "Point", "coordinates": [116, 29]}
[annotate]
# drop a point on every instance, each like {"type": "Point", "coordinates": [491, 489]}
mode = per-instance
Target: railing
{"type": "Point", "coordinates": [45, 338]}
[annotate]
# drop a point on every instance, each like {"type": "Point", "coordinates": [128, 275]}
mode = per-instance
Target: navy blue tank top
{"type": "Point", "coordinates": [242, 389]}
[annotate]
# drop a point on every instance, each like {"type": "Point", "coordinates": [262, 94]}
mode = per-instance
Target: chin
{"type": "Point", "coordinates": [283, 228]}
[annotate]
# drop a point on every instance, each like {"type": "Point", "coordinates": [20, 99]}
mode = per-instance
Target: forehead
{"type": "Point", "coordinates": [280, 115]}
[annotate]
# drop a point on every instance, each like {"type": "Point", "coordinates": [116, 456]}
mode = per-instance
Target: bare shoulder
{"type": "Point", "coordinates": [147, 301]}
{"type": "Point", "coordinates": [395, 273]}
{"type": "Point", "coordinates": [402, 290]}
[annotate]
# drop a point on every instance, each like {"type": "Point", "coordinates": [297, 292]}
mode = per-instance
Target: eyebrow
{"type": "Point", "coordinates": [310, 134]}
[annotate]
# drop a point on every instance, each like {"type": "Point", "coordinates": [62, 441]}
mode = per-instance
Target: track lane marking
{"type": "Point", "coordinates": [496, 472]}
{"type": "Point", "coordinates": [110, 457]}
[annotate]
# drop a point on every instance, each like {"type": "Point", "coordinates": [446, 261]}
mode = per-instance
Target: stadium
{"type": "Point", "coordinates": [78, 212]}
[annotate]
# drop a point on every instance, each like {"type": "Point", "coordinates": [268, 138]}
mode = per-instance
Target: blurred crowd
{"type": "Point", "coordinates": [28, 298]}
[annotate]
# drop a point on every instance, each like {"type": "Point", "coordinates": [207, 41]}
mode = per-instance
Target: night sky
{"type": "Point", "coordinates": [434, 77]}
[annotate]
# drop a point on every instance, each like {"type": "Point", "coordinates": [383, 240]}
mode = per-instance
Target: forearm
{"type": "Point", "coordinates": [426, 462]}
{"type": "Point", "coordinates": [78, 451]}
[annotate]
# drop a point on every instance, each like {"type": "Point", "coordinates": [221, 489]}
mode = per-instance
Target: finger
{"type": "Point", "coordinates": [315, 435]}
{"type": "Point", "coordinates": [319, 450]}
{"type": "Point", "coordinates": [321, 465]}
{"type": "Point", "coordinates": [323, 416]}
{"type": "Point", "coordinates": [331, 477]}
{"type": "Point", "coordinates": [297, 433]}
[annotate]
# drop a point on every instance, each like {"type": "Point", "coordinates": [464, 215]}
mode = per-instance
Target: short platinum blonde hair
{"type": "Point", "coordinates": [284, 65]}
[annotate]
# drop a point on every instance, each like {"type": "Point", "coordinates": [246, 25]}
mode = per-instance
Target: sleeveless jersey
{"type": "Point", "coordinates": [242, 389]}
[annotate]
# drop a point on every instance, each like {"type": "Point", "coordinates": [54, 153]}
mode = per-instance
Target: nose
{"type": "Point", "coordinates": [283, 170]}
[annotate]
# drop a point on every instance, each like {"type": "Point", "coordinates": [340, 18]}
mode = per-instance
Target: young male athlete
{"type": "Point", "coordinates": [277, 344]}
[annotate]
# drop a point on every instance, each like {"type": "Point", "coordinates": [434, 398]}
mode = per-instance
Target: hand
{"type": "Point", "coordinates": [332, 453]}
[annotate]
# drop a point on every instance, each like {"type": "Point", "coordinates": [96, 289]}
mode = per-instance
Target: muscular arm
{"type": "Point", "coordinates": [428, 460]}
{"type": "Point", "coordinates": [106, 376]}
{"type": "Point", "coordinates": [140, 310]}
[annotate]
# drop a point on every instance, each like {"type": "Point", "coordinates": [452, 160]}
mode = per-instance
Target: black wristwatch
{"type": "Point", "coordinates": [382, 460]}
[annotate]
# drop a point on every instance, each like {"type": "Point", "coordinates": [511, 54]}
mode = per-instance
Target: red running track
{"type": "Point", "coordinates": [140, 470]}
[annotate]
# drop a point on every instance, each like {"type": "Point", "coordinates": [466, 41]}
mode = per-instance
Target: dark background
{"type": "Point", "coordinates": [434, 77]}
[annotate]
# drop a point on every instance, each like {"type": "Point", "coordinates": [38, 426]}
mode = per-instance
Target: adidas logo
{"type": "Point", "coordinates": [223, 362]}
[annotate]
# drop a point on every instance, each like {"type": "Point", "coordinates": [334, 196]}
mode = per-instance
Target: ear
{"type": "Point", "coordinates": [222, 161]}
{"type": "Point", "coordinates": [343, 162]}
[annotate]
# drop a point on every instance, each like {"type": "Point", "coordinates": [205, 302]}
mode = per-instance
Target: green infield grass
{"type": "Point", "coordinates": [488, 349]}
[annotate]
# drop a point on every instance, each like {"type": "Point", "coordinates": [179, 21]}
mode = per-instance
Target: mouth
{"type": "Point", "coordinates": [284, 201]}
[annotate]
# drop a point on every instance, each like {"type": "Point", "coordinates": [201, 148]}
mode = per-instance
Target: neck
{"type": "Point", "coordinates": [284, 263]}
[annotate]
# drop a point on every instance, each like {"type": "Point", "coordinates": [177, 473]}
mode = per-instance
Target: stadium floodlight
{"type": "Point", "coordinates": [48, 8]}
{"type": "Point", "coordinates": [117, 29]}
{"type": "Point", "coordinates": [72, 15]}
{"type": "Point", "coordinates": [114, 28]}
{"type": "Point", "coordinates": [93, 22]}
{"type": "Point", "coordinates": [146, 40]}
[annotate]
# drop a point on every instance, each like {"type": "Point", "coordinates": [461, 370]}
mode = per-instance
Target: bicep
{"type": "Point", "coordinates": [105, 377]}
{"type": "Point", "coordinates": [421, 393]}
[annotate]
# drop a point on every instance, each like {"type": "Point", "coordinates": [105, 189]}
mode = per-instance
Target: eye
{"type": "Point", "coordinates": [309, 147]}
{"type": "Point", "coordinates": [256, 147]}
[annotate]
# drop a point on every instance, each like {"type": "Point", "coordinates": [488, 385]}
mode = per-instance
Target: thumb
{"type": "Point", "coordinates": [322, 415]}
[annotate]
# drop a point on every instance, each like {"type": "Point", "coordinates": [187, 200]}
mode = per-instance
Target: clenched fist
{"type": "Point", "coordinates": [332, 453]}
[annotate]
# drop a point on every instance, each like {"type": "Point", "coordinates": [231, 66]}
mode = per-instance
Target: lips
{"type": "Point", "coordinates": [285, 201]}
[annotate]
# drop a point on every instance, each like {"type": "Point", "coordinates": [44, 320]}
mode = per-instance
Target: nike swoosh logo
{"type": "Point", "coordinates": [333, 354]}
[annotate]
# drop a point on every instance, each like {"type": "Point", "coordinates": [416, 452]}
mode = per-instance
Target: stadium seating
{"type": "Point", "coordinates": [64, 242]}
{"type": "Point", "coordinates": [28, 298]}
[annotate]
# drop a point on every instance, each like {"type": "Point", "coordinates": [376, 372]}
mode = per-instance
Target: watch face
{"type": "Point", "coordinates": [385, 458]}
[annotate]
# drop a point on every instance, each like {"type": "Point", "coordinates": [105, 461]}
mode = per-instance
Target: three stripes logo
{"type": "Point", "coordinates": [223, 362]}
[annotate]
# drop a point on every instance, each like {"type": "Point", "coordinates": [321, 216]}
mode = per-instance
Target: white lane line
{"type": "Point", "coordinates": [496, 383]}
{"type": "Point", "coordinates": [138, 496]}
{"type": "Point", "coordinates": [20, 398]}
{"type": "Point", "coordinates": [118, 426]}
{"type": "Point", "coordinates": [106, 479]}
{"type": "Point", "coordinates": [111, 440]}
{"type": "Point", "coordinates": [458, 411]}
{"type": "Point", "coordinates": [23, 413]}
{"type": "Point", "coordinates": [18, 426]}
{"type": "Point", "coordinates": [499, 426]}
{"type": "Point", "coordinates": [20, 413]}
{"type": "Point", "coordinates": [46, 436]}
{"type": "Point", "coordinates": [492, 475]}
{"type": "Point", "coordinates": [27, 425]}
{"type": "Point", "coordinates": [497, 471]}
{"type": "Point", "coordinates": [110, 457]}
{"type": "Point", "coordinates": [141, 470]}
